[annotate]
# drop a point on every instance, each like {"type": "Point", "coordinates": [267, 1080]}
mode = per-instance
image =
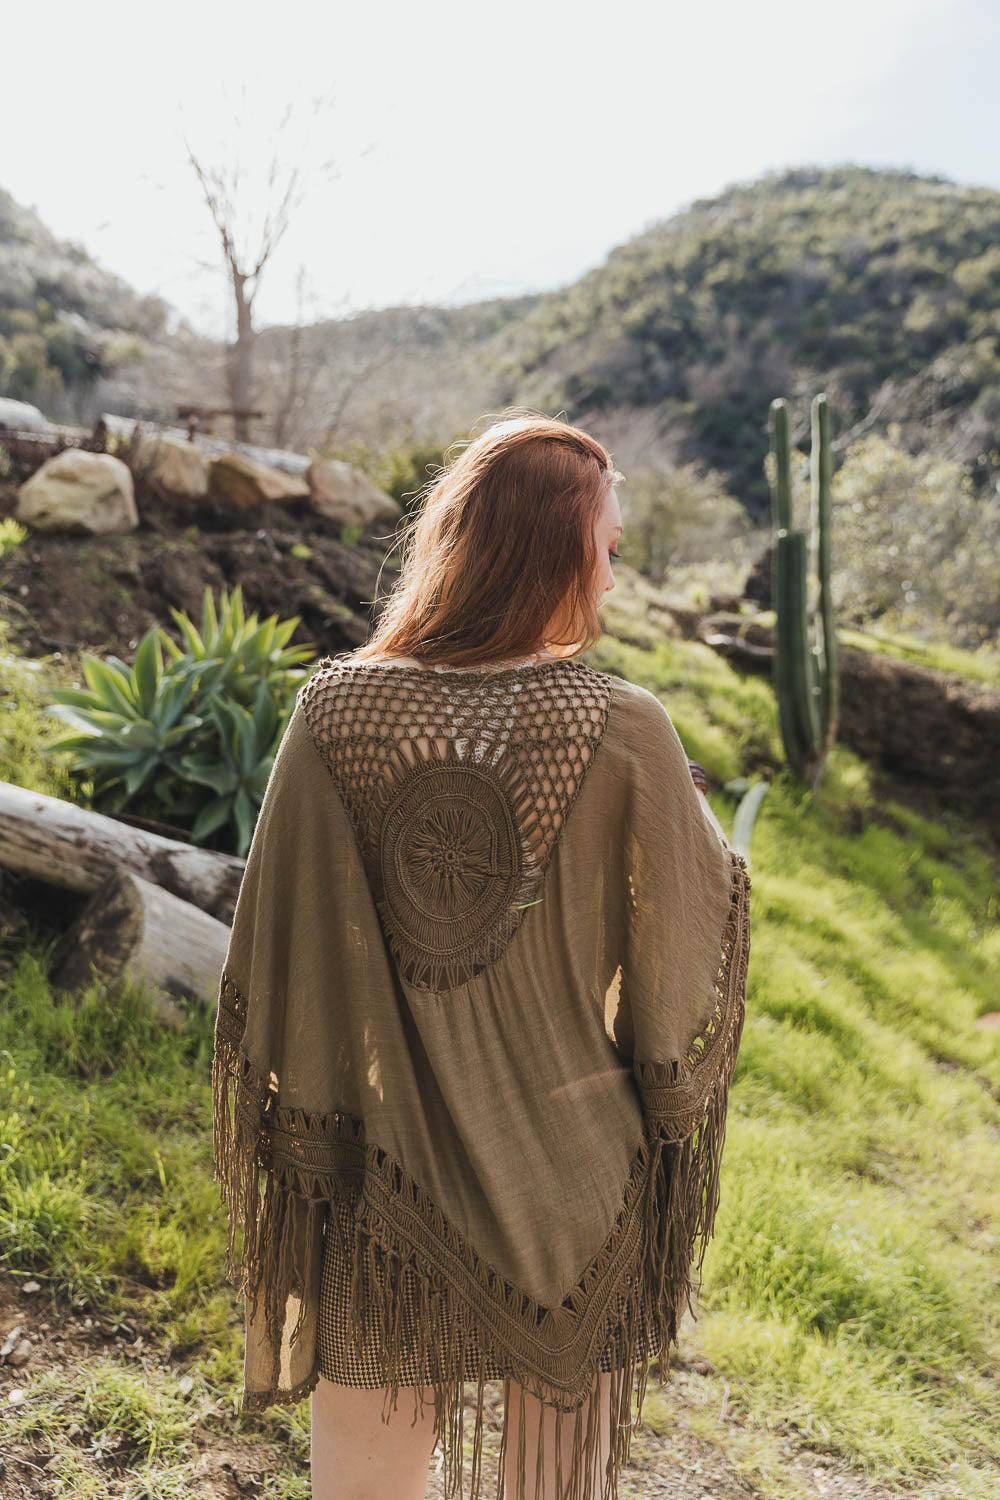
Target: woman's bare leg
{"type": "Point", "coordinates": [354, 1455]}
{"type": "Point", "coordinates": [532, 1408]}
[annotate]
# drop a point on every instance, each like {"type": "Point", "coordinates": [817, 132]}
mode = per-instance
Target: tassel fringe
{"type": "Point", "coordinates": [640, 1280]}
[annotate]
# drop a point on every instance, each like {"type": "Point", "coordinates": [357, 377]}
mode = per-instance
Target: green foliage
{"type": "Point", "coordinates": [75, 359]}
{"type": "Point", "coordinates": [40, 357]}
{"type": "Point", "coordinates": [843, 278]}
{"type": "Point", "coordinates": [26, 731]}
{"type": "Point", "coordinates": [680, 516]}
{"type": "Point", "coordinates": [915, 546]}
{"type": "Point", "coordinates": [118, 353]}
{"type": "Point", "coordinates": [404, 469]}
{"type": "Point", "coordinates": [12, 535]}
{"type": "Point", "coordinates": [191, 742]}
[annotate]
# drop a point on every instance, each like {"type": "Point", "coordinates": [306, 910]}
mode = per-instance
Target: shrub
{"type": "Point", "coordinates": [191, 742]}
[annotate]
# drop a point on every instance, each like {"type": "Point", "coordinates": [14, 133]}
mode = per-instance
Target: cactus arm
{"type": "Point", "coordinates": [801, 659]}
{"type": "Point", "coordinates": [823, 483]}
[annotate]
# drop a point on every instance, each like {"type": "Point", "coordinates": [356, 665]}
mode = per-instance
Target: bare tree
{"type": "Point", "coordinates": [300, 385]}
{"type": "Point", "coordinates": [222, 188]}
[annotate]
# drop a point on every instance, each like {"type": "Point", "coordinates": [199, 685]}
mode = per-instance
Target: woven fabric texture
{"type": "Point", "coordinates": [455, 831]}
{"type": "Point", "coordinates": [363, 1363]}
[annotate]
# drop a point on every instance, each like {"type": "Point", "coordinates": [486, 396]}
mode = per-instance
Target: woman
{"type": "Point", "coordinates": [480, 1010]}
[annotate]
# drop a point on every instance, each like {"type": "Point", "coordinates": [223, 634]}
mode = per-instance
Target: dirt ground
{"type": "Point", "coordinates": [69, 594]}
{"type": "Point", "coordinates": [670, 1459]}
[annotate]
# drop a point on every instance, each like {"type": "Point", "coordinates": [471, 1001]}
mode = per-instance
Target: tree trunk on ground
{"type": "Point", "coordinates": [55, 841]}
{"type": "Point", "coordinates": [132, 931]}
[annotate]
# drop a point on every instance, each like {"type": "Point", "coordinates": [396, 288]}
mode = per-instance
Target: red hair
{"type": "Point", "coordinates": [502, 546]}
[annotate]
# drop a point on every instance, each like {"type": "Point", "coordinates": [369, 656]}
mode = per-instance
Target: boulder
{"type": "Point", "coordinates": [343, 493]}
{"type": "Point", "coordinates": [178, 467]}
{"type": "Point", "coordinates": [21, 416]}
{"type": "Point", "coordinates": [79, 492]}
{"type": "Point", "coordinates": [235, 480]}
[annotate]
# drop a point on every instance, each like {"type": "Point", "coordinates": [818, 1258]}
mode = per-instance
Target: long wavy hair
{"type": "Point", "coordinates": [500, 555]}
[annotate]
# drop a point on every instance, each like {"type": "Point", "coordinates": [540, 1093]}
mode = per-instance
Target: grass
{"type": "Point", "coordinates": [106, 1194]}
{"type": "Point", "coordinates": [24, 728]}
{"type": "Point", "coordinates": [851, 1289]}
{"type": "Point", "coordinates": [850, 1298]}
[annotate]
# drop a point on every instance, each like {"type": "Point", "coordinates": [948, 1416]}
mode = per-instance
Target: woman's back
{"type": "Point", "coordinates": [492, 1013]}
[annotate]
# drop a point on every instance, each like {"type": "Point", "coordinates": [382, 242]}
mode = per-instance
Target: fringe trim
{"type": "Point", "coordinates": [641, 1277]}
{"type": "Point", "coordinates": [261, 1400]}
{"type": "Point", "coordinates": [686, 1105]}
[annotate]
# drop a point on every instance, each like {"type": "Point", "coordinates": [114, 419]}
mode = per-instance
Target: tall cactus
{"type": "Point", "coordinates": [805, 643]}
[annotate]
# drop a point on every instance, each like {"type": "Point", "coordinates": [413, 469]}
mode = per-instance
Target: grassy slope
{"type": "Point", "coordinates": [850, 1293]}
{"type": "Point", "coordinates": [852, 1282]}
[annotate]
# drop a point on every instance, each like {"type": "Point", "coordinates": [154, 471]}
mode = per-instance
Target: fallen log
{"type": "Point", "coordinates": [132, 930]}
{"type": "Point", "coordinates": [49, 839]}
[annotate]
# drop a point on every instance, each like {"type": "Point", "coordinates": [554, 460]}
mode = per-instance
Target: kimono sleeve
{"type": "Point", "coordinates": [283, 1149]}
{"type": "Point", "coordinates": [683, 995]}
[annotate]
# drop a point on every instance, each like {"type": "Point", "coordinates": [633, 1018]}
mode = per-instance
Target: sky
{"type": "Point", "coordinates": [448, 152]}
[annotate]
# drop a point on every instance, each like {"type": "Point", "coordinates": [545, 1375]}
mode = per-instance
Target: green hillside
{"type": "Point", "coordinates": [880, 287]}
{"type": "Point", "coordinates": [850, 1317]}
{"type": "Point", "coordinates": [64, 320]}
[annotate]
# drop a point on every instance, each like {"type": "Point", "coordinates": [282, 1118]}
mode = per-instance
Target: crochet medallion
{"type": "Point", "coordinates": [458, 803]}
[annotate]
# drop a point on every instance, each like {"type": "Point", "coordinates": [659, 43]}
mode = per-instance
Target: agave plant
{"type": "Point", "coordinates": [192, 740]}
{"type": "Point", "coordinates": [248, 742]}
{"type": "Point", "coordinates": [133, 721]}
{"type": "Point", "coordinates": [235, 651]}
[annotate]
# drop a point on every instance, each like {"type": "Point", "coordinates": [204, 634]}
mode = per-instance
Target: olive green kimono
{"type": "Point", "coordinates": [485, 986]}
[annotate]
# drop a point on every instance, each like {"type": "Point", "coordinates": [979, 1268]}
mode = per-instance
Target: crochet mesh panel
{"type": "Point", "coordinates": [458, 784]}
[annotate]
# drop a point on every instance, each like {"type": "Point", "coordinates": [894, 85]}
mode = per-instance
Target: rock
{"type": "Point", "coordinates": [180, 468]}
{"type": "Point", "coordinates": [79, 492]}
{"type": "Point", "coordinates": [16, 1396]}
{"type": "Point", "coordinates": [21, 1353]}
{"type": "Point", "coordinates": [343, 493]}
{"type": "Point", "coordinates": [21, 416]}
{"type": "Point", "coordinates": [235, 480]}
{"type": "Point", "coordinates": [31, 1286]}
{"type": "Point", "coordinates": [10, 1342]}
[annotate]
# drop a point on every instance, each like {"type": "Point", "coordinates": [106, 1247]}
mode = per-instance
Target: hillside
{"type": "Point", "coordinates": [848, 1340]}
{"type": "Point", "coordinates": [65, 322]}
{"type": "Point", "coordinates": [881, 287]}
